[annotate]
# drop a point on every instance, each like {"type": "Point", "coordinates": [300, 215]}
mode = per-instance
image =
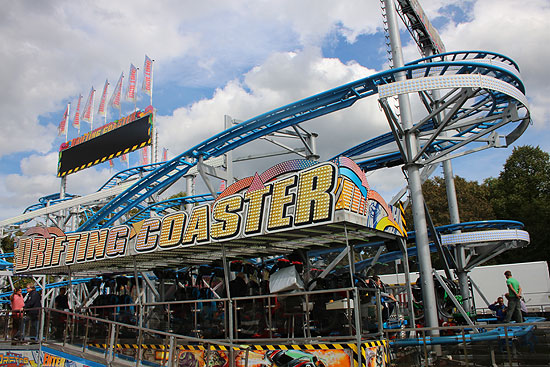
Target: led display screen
{"type": "Point", "coordinates": [104, 143]}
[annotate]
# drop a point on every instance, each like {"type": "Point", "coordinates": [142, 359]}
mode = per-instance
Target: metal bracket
{"type": "Point", "coordinates": [456, 303]}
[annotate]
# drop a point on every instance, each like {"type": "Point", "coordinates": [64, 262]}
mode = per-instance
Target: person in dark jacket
{"type": "Point", "coordinates": [32, 310]}
{"type": "Point", "coordinates": [238, 286]}
{"type": "Point", "coordinates": [387, 299]}
{"type": "Point", "coordinates": [499, 308]}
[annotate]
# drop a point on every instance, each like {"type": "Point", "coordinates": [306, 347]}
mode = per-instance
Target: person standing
{"type": "Point", "coordinates": [17, 304]}
{"type": "Point", "coordinates": [62, 300]}
{"type": "Point", "coordinates": [388, 300]}
{"type": "Point", "coordinates": [514, 297]}
{"type": "Point", "coordinates": [32, 309]}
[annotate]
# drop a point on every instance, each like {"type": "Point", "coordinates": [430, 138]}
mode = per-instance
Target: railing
{"type": "Point", "coordinates": [291, 316]}
{"type": "Point", "coordinates": [121, 331]}
{"type": "Point", "coordinates": [118, 332]}
{"type": "Point", "coordinates": [531, 309]}
{"type": "Point", "coordinates": [524, 344]}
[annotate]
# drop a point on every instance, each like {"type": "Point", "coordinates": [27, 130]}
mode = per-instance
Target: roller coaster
{"type": "Point", "coordinates": [482, 104]}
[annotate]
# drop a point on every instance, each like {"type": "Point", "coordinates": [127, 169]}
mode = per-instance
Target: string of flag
{"type": "Point", "coordinates": [115, 102]}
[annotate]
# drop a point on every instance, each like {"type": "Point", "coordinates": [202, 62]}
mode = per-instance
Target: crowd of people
{"type": "Point", "coordinates": [25, 308]}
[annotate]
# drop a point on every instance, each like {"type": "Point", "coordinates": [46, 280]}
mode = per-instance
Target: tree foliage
{"type": "Point", "coordinates": [472, 198]}
{"type": "Point", "coordinates": [522, 193]}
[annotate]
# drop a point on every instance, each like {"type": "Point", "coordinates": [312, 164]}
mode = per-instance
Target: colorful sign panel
{"type": "Point", "coordinates": [266, 358]}
{"type": "Point", "coordinates": [291, 195]}
{"type": "Point", "coordinates": [373, 354]}
{"type": "Point", "coordinates": [106, 142]}
{"type": "Point", "coordinates": [47, 358]}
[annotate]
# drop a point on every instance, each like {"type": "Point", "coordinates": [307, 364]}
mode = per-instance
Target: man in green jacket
{"type": "Point", "coordinates": [514, 296]}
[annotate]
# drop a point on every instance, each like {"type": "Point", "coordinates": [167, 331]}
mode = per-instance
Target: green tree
{"type": "Point", "coordinates": [473, 201]}
{"type": "Point", "coordinates": [522, 193]}
{"type": "Point", "coordinates": [178, 195]}
{"type": "Point", "coordinates": [7, 244]}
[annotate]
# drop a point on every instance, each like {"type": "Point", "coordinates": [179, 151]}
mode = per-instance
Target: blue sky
{"type": "Point", "coordinates": [237, 57]}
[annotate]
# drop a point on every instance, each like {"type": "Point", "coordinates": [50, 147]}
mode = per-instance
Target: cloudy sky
{"type": "Point", "coordinates": [238, 58]}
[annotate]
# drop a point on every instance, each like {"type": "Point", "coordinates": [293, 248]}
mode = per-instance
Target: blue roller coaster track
{"type": "Point", "coordinates": [499, 102]}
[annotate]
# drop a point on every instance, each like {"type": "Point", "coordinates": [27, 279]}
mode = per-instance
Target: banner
{"type": "Point", "coordinates": [88, 114]}
{"type": "Point", "coordinates": [102, 111]}
{"type": "Point", "coordinates": [76, 121]}
{"type": "Point", "coordinates": [147, 86]}
{"type": "Point", "coordinates": [62, 129]}
{"type": "Point", "coordinates": [144, 156]}
{"type": "Point", "coordinates": [132, 81]}
{"type": "Point", "coordinates": [115, 98]}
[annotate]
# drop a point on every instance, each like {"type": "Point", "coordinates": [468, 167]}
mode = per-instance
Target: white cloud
{"type": "Point", "coordinates": [518, 32]}
{"type": "Point", "coordinates": [283, 78]}
{"type": "Point", "coordinates": [258, 54]}
{"type": "Point", "coordinates": [38, 179]}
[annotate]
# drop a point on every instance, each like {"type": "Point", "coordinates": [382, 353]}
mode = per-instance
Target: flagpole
{"type": "Point", "coordinates": [151, 94]}
{"type": "Point", "coordinates": [105, 104]}
{"type": "Point", "coordinates": [154, 129]}
{"type": "Point", "coordinates": [78, 111]}
{"type": "Point", "coordinates": [120, 100]}
{"type": "Point", "coordinates": [67, 120]}
{"type": "Point", "coordinates": [136, 89]}
{"type": "Point", "coordinates": [92, 117]}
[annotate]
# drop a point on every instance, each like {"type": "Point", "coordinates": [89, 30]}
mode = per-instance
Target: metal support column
{"type": "Point", "coordinates": [228, 122]}
{"type": "Point", "coordinates": [415, 183]}
{"type": "Point", "coordinates": [140, 316]}
{"type": "Point", "coordinates": [356, 299]}
{"type": "Point", "coordinates": [410, 298]}
{"type": "Point", "coordinates": [460, 252]}
{"type": "Point", "coordinates": [189, 189]}
{"type": "Point", "coordinates": [229, 310]}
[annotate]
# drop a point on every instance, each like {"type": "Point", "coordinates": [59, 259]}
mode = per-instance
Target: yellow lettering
{"type": "Point", "coordinates": [37, 252]}
{"type": "Point", "coordinates": [281, 199]}
{"type": "Point", "coordinates": [147, 241]}
{"type": "Point", "coordinates": [197, 228]}
{"type": "Point", "coordinates": [314, 196]}
{"type": "Point", "coordinates": [172, 230]}
{"type": "Point", "coordinates": [96, 244]}
{"type": "Point", "coordinates": [58, 248]}
{"type": "Point", "coordinates": [227, 221]}
{"type": "Point", "coordinates": [48, 253]}
{"type": "Point", "coordinates": [72, 239]}
{"type": "Point", "coordinates": [22, 252]}
{"type": "Point", "coordinates": [254, 216]}
{"type": "Point", "coordinates": [117, 240]}
{"type": "Point", "coordinates": [82, 245]}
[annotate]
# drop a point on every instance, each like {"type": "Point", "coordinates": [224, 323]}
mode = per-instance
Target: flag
{"type": "Point", "coordinates": [124, 158]}
{"type": "Point", "coordinates": [115, 98]}
{"type": "Point", "coordinates": [102, 111]}
{"type": "Point", "coordinates": [147, 85]}
{"type": "Point", "coordinates": [87, 113]}
{"type": "Point", "coordinates": [62, 129]}
{"type": "Point", "coordinates": [132, 80]}
{"type": "Point", "coordinates": [144, 156]}
{"type": "Point", "coordinates": [111, 163]}
{"type": "Point", "coordinates": [76, 121]}
{"type": "Point", "coordinates": [165, 155]}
